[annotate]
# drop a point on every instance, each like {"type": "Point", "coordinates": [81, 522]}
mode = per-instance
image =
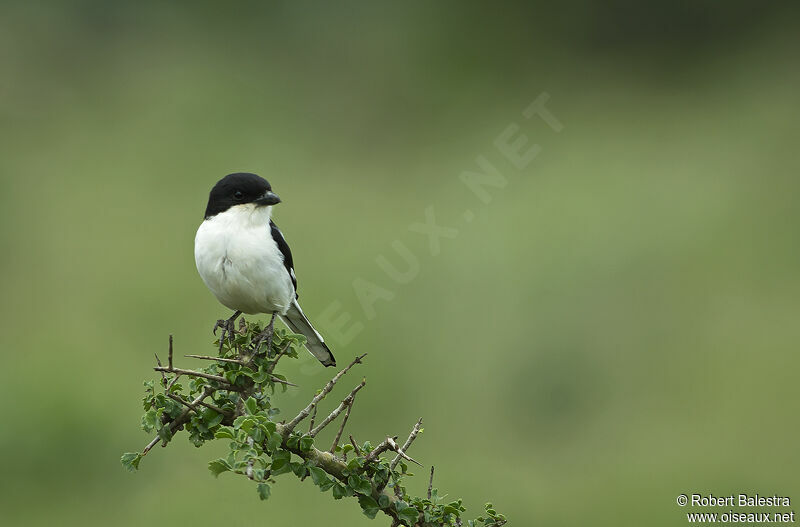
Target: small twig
{"type": "Point", "coordinates": [201, 403]}
{"type": "Point", "coordinates": [355, 446]}
{"type": "Point", "coordinates": [182, 401]}
{"type": "Point", "coordinates": [221, 359]}
{"type": "Point", "coordinates": [172, 382]}
{"type": "Point", "coordinates": [281, 381]}
{"type": "Point", "coordinates": [236, 361]}
{"type": "Point", "coordinates": [214, 407]}
{"type": "Point", "coordinates": [311, 422]}
{"type": "Point", "coordinates": [341, 428]}
{"type": "Point", "coordinates": [271, 328]}
{"type": "Point", "coordinates": [430, 484]}
{"type": "Point", "coordinates": [277, 357]}
{"type": "Point", "coordinates": [163, 375]}
{"type": "Point", "coordinates": [169, 362]}
{"type": "Point", "coordinates": [192, 373]}
{"type": "Point", "coordinates": [387, 444]}
{"type": "Point", "coordinates": [150, 445]}
{"type": "Point", "coordinates": [334, 414]}
{"type": "Point", "coordinates": [407, 444]}
{"type": "Point", "coordinates": [407, 457]}
{"type": "Point", "coordinates": [321, 395]}
{"type": "Point", "coordinates": [178, 421]}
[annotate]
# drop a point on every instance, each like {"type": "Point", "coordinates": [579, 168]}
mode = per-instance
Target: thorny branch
{"type": "Point", "coordinates": [321, 395]}
{"type": "Point", "coordinates": [334, 414]}
{"type": "Point", "coordinates": [392, 504]}
{"type": "Point", "coordinates": [407, 444]}
{"type": "Point", "coordinates": [181, 419]}
{"type": "Point", "coordinates": [341, 427]}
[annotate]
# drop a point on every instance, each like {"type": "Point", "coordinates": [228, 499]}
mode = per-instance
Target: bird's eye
{"type": "Point", "coordinates": [238, 194]}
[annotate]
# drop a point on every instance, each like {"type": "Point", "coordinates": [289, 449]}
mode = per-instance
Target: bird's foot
{"type": "Point", "coordinates": [228, 329]}
{"type": "Point", "coordinates": [265, 335]}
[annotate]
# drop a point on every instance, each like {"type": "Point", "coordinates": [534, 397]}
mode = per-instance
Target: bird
{"type": "Point", "coordinates": [244, 260]}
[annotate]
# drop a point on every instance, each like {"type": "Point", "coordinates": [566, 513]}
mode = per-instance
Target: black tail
{"type": "Point", "coordinates": [297, 321]}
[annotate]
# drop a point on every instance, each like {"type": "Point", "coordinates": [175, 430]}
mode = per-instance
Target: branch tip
{"type": "Point", "coordinates": [170, 352]}
{"type": "Point", "coordinates": [401, 453]}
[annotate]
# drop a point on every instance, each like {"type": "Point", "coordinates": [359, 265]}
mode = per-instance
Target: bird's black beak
{"type": "Point", "coordinates": [269, 198]}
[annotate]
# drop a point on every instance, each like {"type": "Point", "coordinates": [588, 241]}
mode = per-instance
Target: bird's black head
{"type": "Point", "coordinates": [238, 189]}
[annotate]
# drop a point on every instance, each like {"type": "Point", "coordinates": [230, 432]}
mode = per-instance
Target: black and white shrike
{"type": "Point", "coordinates": [244, 260]}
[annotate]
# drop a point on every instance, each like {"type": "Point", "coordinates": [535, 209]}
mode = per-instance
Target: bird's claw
{"type": "Point", "coordinates": [228, 330]}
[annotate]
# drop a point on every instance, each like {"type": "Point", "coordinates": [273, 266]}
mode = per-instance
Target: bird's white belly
{"type": "Point", "coordinates": [243, 266]}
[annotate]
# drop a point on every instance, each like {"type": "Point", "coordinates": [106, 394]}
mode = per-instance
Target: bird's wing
{"type": "Point", "coordinates": [277, 235]}
{"type": "Point", "coordinates": [295, 318]}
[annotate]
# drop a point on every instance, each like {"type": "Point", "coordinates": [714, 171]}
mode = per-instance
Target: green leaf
{"type": "Point", "coordinates": [165, 433]}
{"type": "Point", "coordinates": [244, 422]}
{"type": "Point", "coordinates": [369, 506]}
{"type": "Point", "coordinates": [252, 406]}
{"type": "Point", "coordinates": [269, 427]}
{"type": "Point", "coordinates": [280, 462]}
{"type": "Point", "coordinates": [218, 466]}
{"type": "Point", "coordinates": [263, 491]}
{"type": "Point", "coordinates": [408, 515]}
{"type": "Point", "coordinates": [130, 460]}
{"type": "Point", "coordinates": [383, 501]}
{"type": "Point", "coordinates": [261, 376]}
{"type": "Point", "coordinates": [274, 442]}
{"type": "Point", "coordinates": [339, 491]}
{"type": "Point", "coordinates": [354, 464]}
{"type": "Point", "coordinates": [306, 442]}
{"type": "Point", "coordinates": [150, 420]}
{"type": "Point", "coordinates": [257, 433]}
{"type": "Point", "coordinates": [224, 432]}
{"type": "Point", "coordinates": [300, 470]}
{"type": "Point", "coordinates": [360, 484]}
{"type": "Point", "coordinates": [318, 476]}
{"type": "Point", "coordinates": [247, 424]}
{"type": "Point", "coordinates": [212, 418]}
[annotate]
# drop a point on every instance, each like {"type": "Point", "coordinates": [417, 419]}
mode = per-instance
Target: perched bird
{"type": "Point", "coordinates": [244, 260]}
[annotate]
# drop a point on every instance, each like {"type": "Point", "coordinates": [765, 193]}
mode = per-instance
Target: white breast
{"type": "Point", "coordinates": [240, 262]}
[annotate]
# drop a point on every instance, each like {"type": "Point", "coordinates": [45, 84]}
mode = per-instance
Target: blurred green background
{"type": "Point", "coordinates": [617, 326]}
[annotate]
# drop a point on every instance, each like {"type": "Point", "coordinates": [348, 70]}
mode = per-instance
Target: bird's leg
{"type": "Point", "coordinates": [227, 329]}
{"type": "Point", "coordinates": [271, 329]}
{"type": "Point", "coordinates": [267, 335]}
